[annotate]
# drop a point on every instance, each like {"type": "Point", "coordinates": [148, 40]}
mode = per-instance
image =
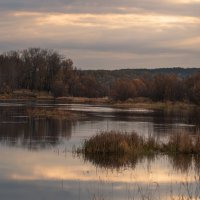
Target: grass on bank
{"type": "Point", "coordinates": [149, 104]}
{"type": "Point", "coordinates": [84, 100]}
{"type": "Point", "coordinates": [25, 94]}
{"type": "Point", "coordinates": [139, 102]}
{"type": "Point", "coordinates": [119, 143]}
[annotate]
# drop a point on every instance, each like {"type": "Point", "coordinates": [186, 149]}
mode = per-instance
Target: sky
{"type": "Point", "coordinates": [106, 34]}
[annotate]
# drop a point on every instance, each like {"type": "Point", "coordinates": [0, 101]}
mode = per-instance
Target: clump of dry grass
{"type": "Point", "coordinates": [119, 143]}
{"type": "Point", "coordinates": [117, 149]}
{"type": "Point", "coordinates": [53, 113]}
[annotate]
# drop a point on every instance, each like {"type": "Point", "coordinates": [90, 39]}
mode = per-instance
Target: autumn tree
{"type": "Point", "coordinates": [167, 87]}
{"type": "Point", "coordinates": [193, 88]}
{"type": "Point", "coordinates": [123, 89]}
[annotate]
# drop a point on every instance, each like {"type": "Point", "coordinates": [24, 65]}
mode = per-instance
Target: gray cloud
{"type": "Point", "coordinates": [102, 6]}
{"type": "Point", "coordinates": [116, 33]}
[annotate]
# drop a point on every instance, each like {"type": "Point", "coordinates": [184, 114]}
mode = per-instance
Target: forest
{"type": "Point", "coordinates": [39, 69]}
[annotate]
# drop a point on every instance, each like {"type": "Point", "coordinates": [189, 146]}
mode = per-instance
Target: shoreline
{"type": "Point", "coordinates": [131, 103]}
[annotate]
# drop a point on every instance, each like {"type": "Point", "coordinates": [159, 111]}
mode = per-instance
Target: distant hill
{"type": "Point", "coordinates": [110, 75]}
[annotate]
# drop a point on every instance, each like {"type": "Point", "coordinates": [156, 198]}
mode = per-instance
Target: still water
{"type": "Point", "coordinates": [37, 162]}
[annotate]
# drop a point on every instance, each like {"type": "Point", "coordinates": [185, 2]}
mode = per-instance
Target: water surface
{"type": "Point", "coordinates": [36, 159]}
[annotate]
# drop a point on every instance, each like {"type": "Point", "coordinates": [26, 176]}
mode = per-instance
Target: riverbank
{"type": "Point", "coordinates": [145, 103]}
{"type": "Point", "coordinates": [26, 95]}
{"type": "Point", "coordinates": [168, 105]}
{"type": "Point", "coordinates": [42, 95]}
{"type": "Point", "coordinates": [131, 103]}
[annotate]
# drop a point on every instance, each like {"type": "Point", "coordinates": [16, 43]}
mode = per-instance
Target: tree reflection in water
{"type": "Point", "coordinates": [17, 129]}
{"type": "Point", "coordinates": [180, 163]}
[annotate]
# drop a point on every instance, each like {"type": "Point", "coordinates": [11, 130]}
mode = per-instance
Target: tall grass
{"type": "Point", "coordinates": [120, 143]}
{"type": "Point", "coordinates": [182, 143]}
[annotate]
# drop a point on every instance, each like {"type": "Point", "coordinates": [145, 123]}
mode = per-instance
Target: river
{"type": "Point", "coordinates": [37, 159]}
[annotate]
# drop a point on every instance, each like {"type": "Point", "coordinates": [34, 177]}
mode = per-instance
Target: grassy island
{"type": "Point", "coordinates": [119, 143]}
{"type": "Point", "coordinates": [52, 113]}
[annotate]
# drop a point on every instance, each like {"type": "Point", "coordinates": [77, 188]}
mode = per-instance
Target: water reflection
{"type": "Point", "coordinates": [19, 129]}
{"type": "Point", "coordinates": [50, 175]}
{"type": "Point", "coordinates": [35, 134]}
{"type": "Point", "coordinates": [180, 163]}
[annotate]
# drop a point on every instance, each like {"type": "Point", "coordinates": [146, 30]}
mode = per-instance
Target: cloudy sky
{"type": "Point", "coordinates": [106, 34]}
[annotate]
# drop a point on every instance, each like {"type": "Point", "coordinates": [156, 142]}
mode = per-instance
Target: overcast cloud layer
{"type": "Point", "coordinates": [106, 34]}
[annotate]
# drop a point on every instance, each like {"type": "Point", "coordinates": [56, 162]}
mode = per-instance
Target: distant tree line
{"type": "Point", "coordinates": [159, 88]}
{"type": "Point", "coordinates": [46, 70]}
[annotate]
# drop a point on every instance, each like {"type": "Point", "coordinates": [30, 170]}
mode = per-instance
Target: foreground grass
{"type": "Point", "coordinates": [53, 113]}
{"type": "Point", "coordinates": [119, 143]}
